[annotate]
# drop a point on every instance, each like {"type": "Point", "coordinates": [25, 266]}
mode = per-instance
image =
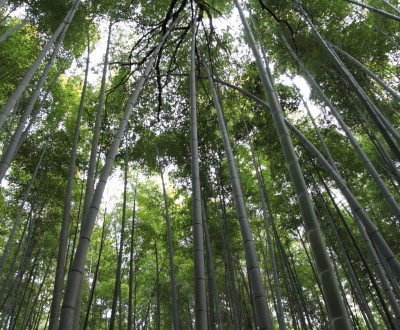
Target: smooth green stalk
{"type": "Point", "coordinates": [78, 265]}
{"type": "Point", "coordinates": [262, 313]}
{"type": "Point", "coordinates": [335, 305]}
{"type": "Point", "coordinates": [198, 245]}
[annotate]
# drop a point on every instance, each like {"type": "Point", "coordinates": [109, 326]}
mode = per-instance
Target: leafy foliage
{"type": "Point", "coordinates": [158, 134]}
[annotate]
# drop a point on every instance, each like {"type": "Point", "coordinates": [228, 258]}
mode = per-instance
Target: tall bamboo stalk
{"type": "Point", "coordinates": [174, 296]}
{"type": "Point", "coordinates": [132, 281]}
{"type": "Point", "coordinates": [91, 174]}
{"type": "Point", "coordinates": [12, 147]}
{"type": "Point", "coordinates": [271, 251]}
{"type": "Point", "coordinates": [117, 285]}
{"type": "Point", "coordinates": [36, 64]}
{"type": "Point", "coordinates": [380, 121]}
{"type": "Point", "coordinates": [385, 86]}
{"type": "Point", "coordinates": [222, 221]}
{"type": "Point", "coordinates": [213, 290]}
{"type": "Point", "coordinates": [375, 10]}
{"type": "Point", "coordinates": [198, 245]}
{"type": "Point", "coordinates": [21, 209]}
{"type": "Point", "coordinates": [96, 272]}
{"type": "Point", "coordinates": [15, 28]}
{"type": "Point", "coordinates": [335, 305]}
{"type": "Point", "coordinates": [77, 268]}
{"type": "Point", "coordinates": [63, 242]}
{"type": "Point", "coordinates": [253, 269]}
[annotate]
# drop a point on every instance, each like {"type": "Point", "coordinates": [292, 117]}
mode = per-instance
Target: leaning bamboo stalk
{"type": "Point", "coordinates": [30, 311]}
{"type": "Point", "coordinates": [372, 230]}
{"type": "Point", "coordinates": [387, 289]}
{"type": "Point", "coordinates": [279, 309]}
{"type": "Point", "coordinates": [366, 161]}
{"type": "Point", "coordinates": [21, 209]}
{"type": "Point", "coordinates": [397, 10]}
{"type": "Point", "coordinates": [317, 130]}
{"type": "Point", "coordinates": [335, 305]}
{"type": "Point", "coordinates": [386, 316]}
{"type": "Point", "coordinates": [96, 130]}
{"type": "Point", "coordinates": [65, 223]}
{"type": "Point", "coordinates": [36, 64]}
{"type": "Point", "coordinates": [29, 282]}
{"type": "Point", "coordinates": [15, 28]}
{"type": "Point", "coordinates": [389, 89]}
{"type": "Point", "coordinates": [26, 255]}
{"type": "Point", "coordinates": [11, 271]}
{"type": "Point", "coordinates": [379, 119]}
{"type": "Point", "coordinates": [78, 265]}
{"type": "Point", "coordinates": [368, 129]}
{"type": "Point", "coordinates": [38, 110]}
{"type": "Point", "coordinates": [375, 10]}
{"type": "Point", "coordinates": [354, 204]}
{"type": "Point", "coordinates": [260, 300]}
{"type": "Point", "coordinates": [11, 150]}
{"type": "Point", "coordinates": [351, 274]}
{"type": "Point", "coordinates": [18, 302]}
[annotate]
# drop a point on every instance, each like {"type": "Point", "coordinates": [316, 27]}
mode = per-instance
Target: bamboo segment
{"type": "Point", "coordinates": [335, 305]}
{"type": "Point", "coordinates": [77, 268]}
{"type": "Point", "coordinates": [262, 313]}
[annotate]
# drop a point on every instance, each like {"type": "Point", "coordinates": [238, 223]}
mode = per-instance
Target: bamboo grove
{"type": "Point", "coordinates": [199, 164]}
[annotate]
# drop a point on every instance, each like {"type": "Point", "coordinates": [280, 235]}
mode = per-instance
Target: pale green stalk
{"type": "Point", "coordinates": [336, 308]}
{"type": "Point", "coordinates": [198, 244]}
{"type": "Point", "coordinates": [262, 313]}
{"type": "Point", "coordinates": [375, 10]}
{"type": "Point", "coordinates": [15, 28]}
{"type": "Point", "coordinates": [35, 66]}
{"type": "Point", "coordinates": [78, 265]}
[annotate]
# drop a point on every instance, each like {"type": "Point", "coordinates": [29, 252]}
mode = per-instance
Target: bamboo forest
{"type": "Point", "coordinates": [202, 164]}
